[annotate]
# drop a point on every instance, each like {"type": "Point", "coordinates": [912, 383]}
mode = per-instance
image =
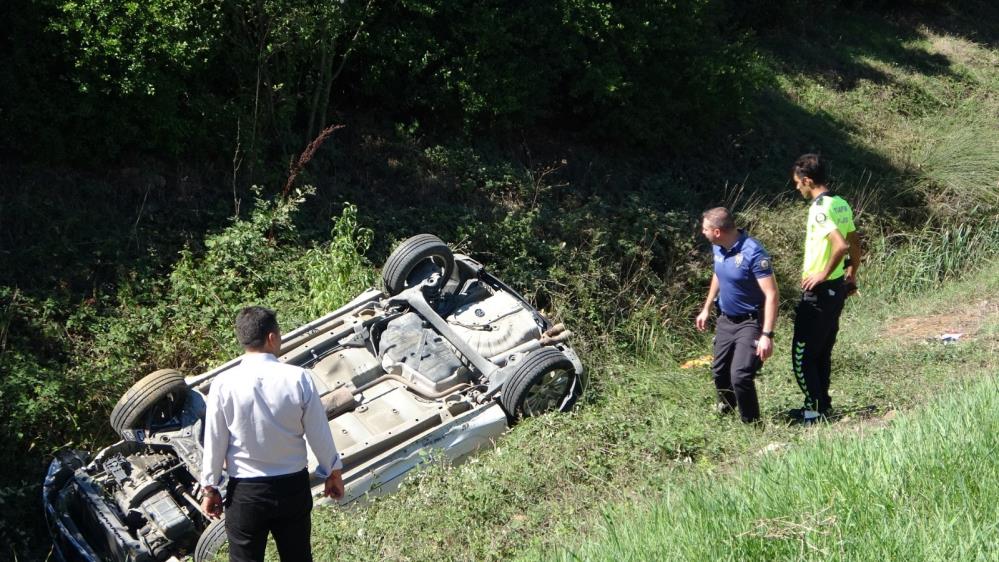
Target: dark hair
{"type": "Point", "coordinates": [811, 166]}
{"type": "Point", "coordinates": [254, 324]}
{"type": "Point", "coordinates": [720, 218]}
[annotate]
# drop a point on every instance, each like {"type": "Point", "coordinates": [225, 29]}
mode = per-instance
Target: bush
{"type": "Point", "coordinates": [659, 73]}
{"type": "Point", "coordinates": [337, 271]}
{"type": "Point", "coordinates": [261, 78]}
{"type": "Point", "coordinates": [183, 320]}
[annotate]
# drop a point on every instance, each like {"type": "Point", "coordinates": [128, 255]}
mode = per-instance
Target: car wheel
{"type": "Point", "coordinates": [544, 381]}
{"type": "Point", "coordinates": [416, 259]}
{"type": "Point", "coordinates": [210, 541]}
{"type": "Point", "coordinates": [156, 397]}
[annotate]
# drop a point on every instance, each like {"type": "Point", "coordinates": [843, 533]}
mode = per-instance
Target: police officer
{"type": "Point", "coordinates": [746, 292]}
{"type": "Point", "coordinates": [826, 278]}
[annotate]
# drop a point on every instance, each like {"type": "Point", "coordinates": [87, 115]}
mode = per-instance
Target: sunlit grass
{"type": "Point", "coordinates": [926, 488]}
{"type": "Point", "coordinates": [646, 440]}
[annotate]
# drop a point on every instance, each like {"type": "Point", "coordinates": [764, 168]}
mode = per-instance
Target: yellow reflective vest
{"type": "Point", "coordinates": [827, 212]}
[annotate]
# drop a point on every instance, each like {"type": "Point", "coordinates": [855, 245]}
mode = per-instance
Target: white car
{"type": "Point", "coordinates": [443, 359]}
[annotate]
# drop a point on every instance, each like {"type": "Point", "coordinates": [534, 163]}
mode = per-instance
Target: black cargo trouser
{"type": "Point", "coordinates": [735, 365]}
{"type": "Point", "coordinates": [281, 505]}
{"type": "Point", "coordinates": [816, 323]}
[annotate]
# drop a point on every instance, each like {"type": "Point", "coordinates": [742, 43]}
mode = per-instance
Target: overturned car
{"type": "Point", "coordinates": [443, 359]}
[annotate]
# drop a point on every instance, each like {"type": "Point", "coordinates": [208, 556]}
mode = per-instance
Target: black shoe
{"type": "Point", "coordinates": [799, 413]}
{"type": "Point", "coordinates": [796, 414]}
{"type": "Point", "coordinates": [821, 418]}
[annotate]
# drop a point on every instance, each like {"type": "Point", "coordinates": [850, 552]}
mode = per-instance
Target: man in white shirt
{"type": "Point", "coordinates": [259, 416]}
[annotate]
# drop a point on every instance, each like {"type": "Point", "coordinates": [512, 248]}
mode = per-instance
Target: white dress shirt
{"type": "Point", "coordinates": [259, 415]}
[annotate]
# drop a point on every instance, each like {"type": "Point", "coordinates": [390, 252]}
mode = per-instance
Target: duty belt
{"type": "Point", "coordinates": [742, 317]}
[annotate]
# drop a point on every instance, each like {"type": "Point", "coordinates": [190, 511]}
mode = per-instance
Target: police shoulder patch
{"type": "Point", "coordinates": [765, 263]}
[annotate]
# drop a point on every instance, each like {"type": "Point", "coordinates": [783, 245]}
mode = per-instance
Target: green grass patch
{"type": "Point", "coordinates": [604, 241]}
{"type": "Point", "coordinates": [926, 488]}
{"type": "Point", "coordinates": [646, 431]}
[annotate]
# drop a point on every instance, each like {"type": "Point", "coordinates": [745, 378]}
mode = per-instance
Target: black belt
{"type": "Point", "coordinates": [742, 317]}
{"type": "Point", "coordinates": [828, 284]}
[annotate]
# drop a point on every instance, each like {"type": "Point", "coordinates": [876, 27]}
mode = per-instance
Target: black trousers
{"type": "Point", "coordinates": [281, 505]}
{"type": "Point", "coordinates": [735, 365]}
{"type": "Point", "coordinates": [816, 323]}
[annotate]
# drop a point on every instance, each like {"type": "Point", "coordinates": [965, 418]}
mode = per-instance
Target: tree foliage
{"type": "Point", "coordinates": [193, 75]}
{"type": "Point", "coordinates": [125, 47]}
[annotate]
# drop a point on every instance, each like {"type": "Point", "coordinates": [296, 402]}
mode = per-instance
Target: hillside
{"type": "Point", "coordinates": [647, 470]}
{"type": "Point", "coordinates": [570, 148]}
{"type": "Point", "coordinates": [917, 481]}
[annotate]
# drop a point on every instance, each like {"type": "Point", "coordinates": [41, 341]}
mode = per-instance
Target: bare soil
{"type": "Point", "coordinates": [966, 320]}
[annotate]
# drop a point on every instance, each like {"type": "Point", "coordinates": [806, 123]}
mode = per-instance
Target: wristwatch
{"type": "Point", "coordinates": [767, 334]}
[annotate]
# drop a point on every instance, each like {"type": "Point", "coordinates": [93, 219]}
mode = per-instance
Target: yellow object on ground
{"type": "Point", "coordinates": [702, 361]}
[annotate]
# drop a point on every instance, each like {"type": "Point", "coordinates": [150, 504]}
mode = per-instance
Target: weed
{"type": "Point", "coordinates": [958, 163]}
{"type": "Point", "coordinates": [338, 270]}
{"type": "Point", "coordinates": [902, 263]}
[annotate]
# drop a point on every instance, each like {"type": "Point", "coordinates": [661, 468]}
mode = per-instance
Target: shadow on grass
{"type": "Point", "coordinates": [74, 235]}
{"type": "Point", "coordinates": [841, 50]}
{"type": "Point", "coordinates": [837, 55]}
{"type": "Point", "coordinates": [974, 20]}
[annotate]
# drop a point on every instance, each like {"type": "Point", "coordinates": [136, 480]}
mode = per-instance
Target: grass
{"type": "Point", "coordinates": [646, 439]}
{"type": "Point", "coordinates": [903, 111]}
{"type": "Point", "coordinates": [648, 432]}
{"type": "Point", "coordinates": [926, 488]}
{"type": "Point", "coordinates": [928, 117]}
{"type": "Point", "coordinates": [928, 258]}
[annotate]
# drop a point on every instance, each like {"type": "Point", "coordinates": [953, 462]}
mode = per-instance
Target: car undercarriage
{"type": "Point", "coordinates": [442, 361]}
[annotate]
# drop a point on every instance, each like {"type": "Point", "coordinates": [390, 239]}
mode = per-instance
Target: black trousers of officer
{"type": "Point", "coordinates": [735, 364]}
{"type": "Point", "coordinates": [816, 323]}
{"type": "Point", "coordinates": [281, 505]}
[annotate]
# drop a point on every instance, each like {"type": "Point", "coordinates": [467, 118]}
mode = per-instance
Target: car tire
{"type": "Point", "coordinates": [414, 260]}
{"type": "Point", "coordinates": [160, 393]}
{"type": "Point", "coordinates": [210, 541]}
{"type": "Point", "coordinates": [544, 381]}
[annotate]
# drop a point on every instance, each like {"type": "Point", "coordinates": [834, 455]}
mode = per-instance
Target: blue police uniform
{"type": "Point", "coordinates": [740, 307]}
{"type": "Point", "coordinates": [737, 269]}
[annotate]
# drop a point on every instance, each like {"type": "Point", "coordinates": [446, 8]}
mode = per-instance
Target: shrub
{"type": "Point", "coordinates": [337, 271]}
